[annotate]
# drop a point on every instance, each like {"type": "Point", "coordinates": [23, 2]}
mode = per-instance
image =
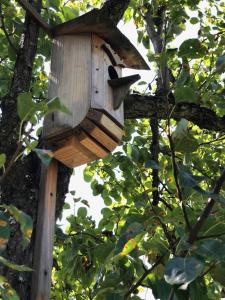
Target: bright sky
{"type": "Point", "coordinates": [77, 183]}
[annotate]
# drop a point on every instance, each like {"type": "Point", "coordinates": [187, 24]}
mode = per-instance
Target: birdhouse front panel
{"type": "Point", "coordinates": [70, 80]}
{"type": "Point", "coordinates": [105, 65]}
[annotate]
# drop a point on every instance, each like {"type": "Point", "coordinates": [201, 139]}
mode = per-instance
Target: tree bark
{"type": "Point", "coordinates": [138, 106]}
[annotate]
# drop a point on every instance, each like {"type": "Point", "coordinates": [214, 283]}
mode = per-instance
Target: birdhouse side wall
{"type": "Point", "coordinates": [101, 92]}
{"type": "Point", "coordinates": [70, 80]}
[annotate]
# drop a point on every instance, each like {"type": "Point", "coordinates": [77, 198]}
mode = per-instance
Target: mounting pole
{"type": "Point", "coordinates": [43, 257]}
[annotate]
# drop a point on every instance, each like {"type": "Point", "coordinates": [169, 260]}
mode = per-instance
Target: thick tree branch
{"type": "Point", "coordinates": [138, 106]}
{"type": "Point", "coordinates": [114, 9]}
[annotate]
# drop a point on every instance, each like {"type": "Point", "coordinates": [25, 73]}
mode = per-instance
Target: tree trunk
{"type": "Point", "coordinates": [20, 186]}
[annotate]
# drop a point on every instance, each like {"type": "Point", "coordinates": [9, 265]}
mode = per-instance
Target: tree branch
{"type": "Point", "coordinates": [114, 9]}
{"type": "Point", "coordinates": [138, 106]}
{"type": "Point", "coordinates": [155, 157]}
{"type": "Point", "coordinates": [206, 212]}
{"type": "Point", "coordinates": [35, 16]}
{"type": "Point", "coordinates": [142, 278]}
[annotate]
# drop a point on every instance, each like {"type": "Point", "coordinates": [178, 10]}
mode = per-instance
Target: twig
{"type": "Point", "coordinates": [145, 274]}
{"type": "Point", "coordinates": [221, 138]}
{"type": "Point", "coordinates": [171, 294]}
{"type": "Point", "coordinates": [206, 212]}
{"type": "Point", "coordinates": [166, 204]}
{"type": "Point", "coordinates": [155, 157]}
{"type": "Point", "coordinates": [204, 237]}
{"type": "Point", "coordinates": [11, 162]}
{"type": "Point", "coordinates": [5, 31]}
{"type": "Point", "coordinates": [208, 270]}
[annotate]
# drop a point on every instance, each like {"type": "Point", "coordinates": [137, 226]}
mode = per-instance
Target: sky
{"type": "Point", "coordinates": [77, 182]}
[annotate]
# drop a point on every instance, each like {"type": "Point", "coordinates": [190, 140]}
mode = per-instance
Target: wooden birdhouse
{"type": "Point", "coordinates": [88, 55]}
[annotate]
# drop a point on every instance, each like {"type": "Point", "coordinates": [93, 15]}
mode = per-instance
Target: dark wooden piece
{"type": "Point", "coordinates": [121, 87]}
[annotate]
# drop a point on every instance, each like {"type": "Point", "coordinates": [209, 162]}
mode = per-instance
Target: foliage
{"type": "Point", "coordinates": [136, 244]}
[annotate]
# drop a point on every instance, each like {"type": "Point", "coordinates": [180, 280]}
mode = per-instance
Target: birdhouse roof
{"type": "Point", "coordinates": [95, 22]}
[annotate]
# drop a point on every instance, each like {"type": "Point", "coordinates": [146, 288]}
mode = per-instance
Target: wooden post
{"type": "Point", "coordinates": [43, 257]}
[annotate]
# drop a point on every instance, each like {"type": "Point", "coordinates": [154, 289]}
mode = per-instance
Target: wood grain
{"type": "Point", "coordinates": [107, 124]}
{"type": "Point", "coordinates": [43, 257]}
{"type": "Point", "coordinates": [70, 80]}
{"type": "Point", "coordinates": [99, 135]}
{"type": "Point", "coordinates": [92, 145]}
{"type": "Point", "coordinates": [73, 153]}
{"type": "Point", "coordinates": [101, 92]}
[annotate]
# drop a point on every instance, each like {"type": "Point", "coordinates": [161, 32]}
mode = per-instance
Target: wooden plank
{"type": "Point", "coordinates": [93, 130]}
{"type": "Point", "coordinates": [73, 154]}
{"type": "Point", "coordinates": [43, 258]}
{"type": "Point", "coordinates": [106, 124]}
{"type": "Point", "coordinates": [70, 80]}
{"type": "Point", "coordinates": [92, 145]}
{"type": "Point", "coordinates": [101, 92]}
{"type": "Point", "coordinates": [36, 17]}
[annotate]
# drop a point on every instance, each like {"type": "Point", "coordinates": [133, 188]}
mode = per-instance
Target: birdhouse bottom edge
{"type": "Point", "coordinates": [95, 137]}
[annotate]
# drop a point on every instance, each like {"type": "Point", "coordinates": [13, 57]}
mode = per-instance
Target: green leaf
{"type": "Point", "coordinates": [2, 160]}
{"type": "Point", "coordinates": [181, 270]}
{"type": "Point", "coordinates": [129, 232]}
{"type": "Point", "coordinates": [183, 78]}
{"type": "Point", "coordinates": [46, 156]}
{"type": "Point", "coordinates": [213, 249]}
{"type": "Point", "coordinates": [6, 291]}
{"type": "Point", "coordinates": [19, 268]}
{"type": "Point", "coordinates": [128, 247]}
{"type": "Point", "coordinates": [25, 221]}
{"type": "Point", "coordinates": [151, 164]}
{"type": "Point", "coordinates": [185, 94]}
{"type": "Point", "coordinates": [88, 175]}
{"type": "Point", "coordinates": [194, 20]}
{"type": "Point", "coordinates": [184, 142]}
{"type": "Point", "coordinates": [24, 106]}
{"type": "Point", "coordinates": [192, 48]}
{"type": "Point", "coordinates": [220, 64]}
{"type": "Point", "coordinates": [66, 205]}
{"type": "Point", "coordinates": [218, 274]}
{"type": "Point", "coordinates": [186, 179]}
{"type": "Point", "coordinates": [4, 231]}
{"type": "Point", "coordinates": [56, 105]}
{"type": "Point", "coordinates": [82, 212]}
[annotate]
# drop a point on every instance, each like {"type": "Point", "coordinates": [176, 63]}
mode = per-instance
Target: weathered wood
{"type": "Point", "coordinates": [98, 134]}
{"type": "Point", "coordinates": [73, 153]}
{"type": "Point", "coordinates": [93, 145]}
{"type": "Point", "coordinates": [108, 125]}
{"type": "Point", "coordinates": [36, 17]}
{"type": "Point", "coordinates": [96, 22]}
{"type": "Point", "coordinates": [121, 87]}
{"type": "Point", "coordinates": [70, 80]}
{"type": "Point", "coordinates": [102, 93]}
{"type": "Point", "coordinates": [43, 257]}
